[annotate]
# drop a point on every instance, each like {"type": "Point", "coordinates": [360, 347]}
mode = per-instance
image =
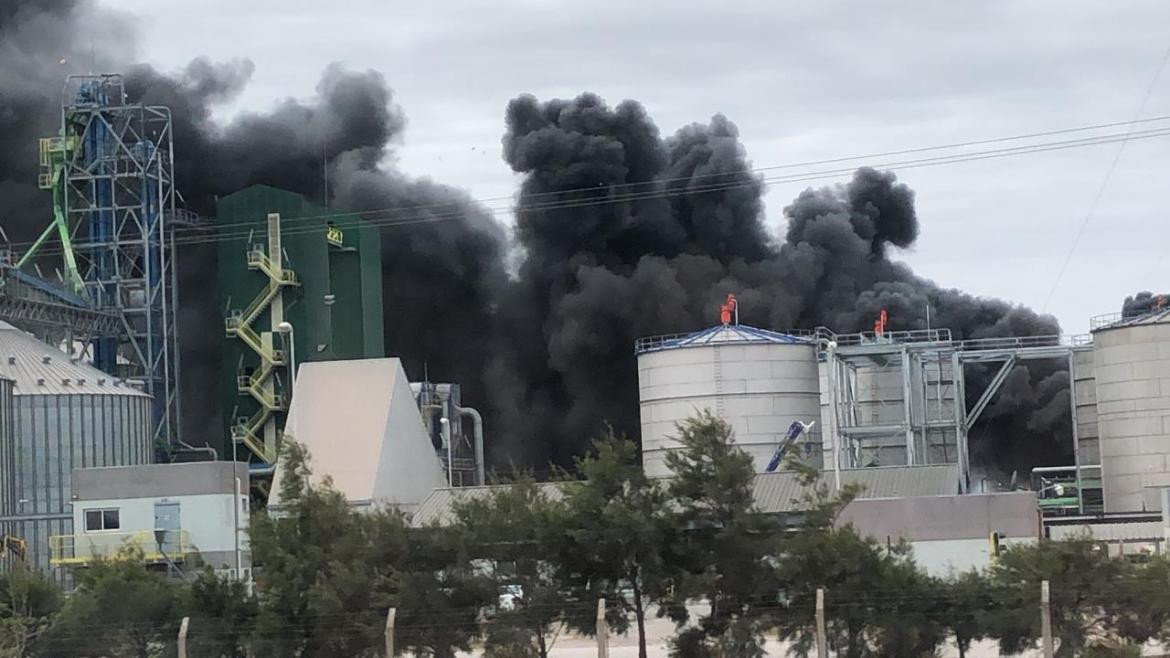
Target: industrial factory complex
{"type": "Point", "coordinates": [93, 457]}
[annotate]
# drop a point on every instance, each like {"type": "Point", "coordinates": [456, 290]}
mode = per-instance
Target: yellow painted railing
{"type": "Point", "coordinates": [245, 431]}
{"type": "Point", "coordinates": [248, 430]}
{"type": "Point", "coordinates": [254, 385]}
{"type": "Point", "coordinates": [87, 547]}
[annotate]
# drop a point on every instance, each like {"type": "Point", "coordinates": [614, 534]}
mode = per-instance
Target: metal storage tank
{"type": "Point", "coordinates": [7, 413]}
{"type": "Point", "coordinates": [758, 381]}
{"type": "Point", "coordinates": [66, 415]}
{"type": "Point", "coordinates": [1131, 363]}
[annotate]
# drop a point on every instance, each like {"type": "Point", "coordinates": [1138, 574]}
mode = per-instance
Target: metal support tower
{"type": "Point", "coordinates": [111, 173]}
{"type": "Point", "coordinates": [900, 398]}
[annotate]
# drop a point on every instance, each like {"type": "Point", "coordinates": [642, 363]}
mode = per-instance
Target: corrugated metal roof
{"type": "Point", "coordinates": [717, 335]}
{"type": "Point", "coordinates": [40, 369]}
{"type": "Point", "coordinates": [437, 508]}
{"type": "Point", "coordinates": [782, 491]}
{"type": "Point", "coordinates": [774, 493]}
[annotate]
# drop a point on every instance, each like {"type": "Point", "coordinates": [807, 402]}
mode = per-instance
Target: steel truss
{"type": "Point", "coordinates": [899, 398]}
{"type": "Point", "coordinates": [111, 174]}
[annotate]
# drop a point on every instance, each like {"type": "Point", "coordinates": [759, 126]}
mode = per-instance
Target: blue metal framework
{"type": "Point", "coordinates": [113, 187]}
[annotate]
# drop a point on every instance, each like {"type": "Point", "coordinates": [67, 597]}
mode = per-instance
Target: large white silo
{"type": "Point", "coordinates": [1131, 363]}
{"type": "Point", "coordinates": [759, 381]}
{"type": "Point", "coordinates": [65, 415]}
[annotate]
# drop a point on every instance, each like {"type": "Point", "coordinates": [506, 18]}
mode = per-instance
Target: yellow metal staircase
{"type": "Point", "coordinates": [250, 430]}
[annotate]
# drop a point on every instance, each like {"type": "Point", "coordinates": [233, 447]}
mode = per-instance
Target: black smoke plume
{"type": "Point", "coordinates": [440, 277]}
{"type": "Point", "coordinates": [1142, 303]}
{"type": "Point", "coordinates": [647, 235]}
{"type": "Point", "coordinates": [619, 233]}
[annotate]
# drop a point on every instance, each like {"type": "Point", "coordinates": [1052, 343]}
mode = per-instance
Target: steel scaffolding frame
{"type": "Point", "coordinates": [931, 412]}
{"type": "Point", "coordinates": [111, 174]}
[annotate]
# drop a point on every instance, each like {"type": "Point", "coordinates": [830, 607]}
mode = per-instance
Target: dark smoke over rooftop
{"type": "Point", "coordinates": [619, 232]}
{"type": "Point", "coordinates": [1142, 303]}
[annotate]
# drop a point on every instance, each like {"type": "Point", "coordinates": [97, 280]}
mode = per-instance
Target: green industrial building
{"type": "Point", "coordinates": [284, 259]}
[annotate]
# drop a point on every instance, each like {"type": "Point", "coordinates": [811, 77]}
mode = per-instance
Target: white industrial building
{"type": "Point", "coordinates": [360, 422]}
{"type": "Point", "coordinates": [920, 505]}
{"type": "Point", "coordinates": [181, 516]}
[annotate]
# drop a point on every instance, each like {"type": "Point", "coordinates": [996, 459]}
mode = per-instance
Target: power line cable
{"type": "Point", "coordinates": [370, 217]}
{"type": "Point", "coordinates": [1104, 182]}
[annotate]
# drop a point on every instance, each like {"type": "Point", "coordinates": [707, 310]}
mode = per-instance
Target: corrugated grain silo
{"type": "Point", "coordinates": [66, 415]}
{"type": "Point", "coordinates": [7, 419]}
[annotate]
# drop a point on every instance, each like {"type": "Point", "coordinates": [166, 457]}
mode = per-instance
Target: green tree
{"type": "Point", "coordinates": [28, 602]}
{"type": "Point", "coordinates": [727, 547]}
{"type": "Point", "coordinates": [1086, 593]}
{"type": "Point", "coordinates": [1147, 602]}
{"type": "Point", "coordinates": [120, 609]}
{"type": "Point", "coordinates": [618, 536]}
{"type": "Point", "coordinates": [223, 616]}
{"type": "Point", "coordinates": [961, 606]}
{"type": "Point", "coordinates": [514, 532]}
{"type": "Point", "coordinates": [440, 593]}
{"type": "Point", "coordinates": [315, 570]}
{"type": "Point", "coordinates": [878, 602]}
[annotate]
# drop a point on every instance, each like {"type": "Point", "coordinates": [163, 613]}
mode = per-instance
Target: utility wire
{"type": "Point", "coordinates": [525, 197]}
{"type": "Point", "coordinates": [371, 218]}
{"type": "Point", "coordinates": [1105, 182]}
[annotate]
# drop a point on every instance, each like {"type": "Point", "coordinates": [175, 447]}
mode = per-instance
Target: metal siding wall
{"type": "Point", "coordinates": [758, 388]}
{"type": "Point", "coordinates": [1132, 369]}
{"type": "Point", "coordinates": [7, 454]}
{"type": "Point", "coordinates": [345, 283]}
{"type": "Point", "coordinates": [373, 329]}
{"type": "Point", "coordinates": [52, 435]}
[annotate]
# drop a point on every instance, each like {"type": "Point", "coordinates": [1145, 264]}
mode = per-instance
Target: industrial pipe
{"type": "Point", "coordinates": [478, 420]}
{"type": "Point", "coordinates": [206, 448]}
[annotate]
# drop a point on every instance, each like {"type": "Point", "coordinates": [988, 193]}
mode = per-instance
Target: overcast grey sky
{"type": "Point", "coordinates": [821, 80]}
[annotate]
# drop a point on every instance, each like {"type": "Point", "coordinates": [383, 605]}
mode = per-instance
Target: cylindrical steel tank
{"type": "Point", "coordinates": [66, 415]}
{"type": "Point", "coordinates": [1131, 363]}
{"type": "Point", "coordinates": [759, 381]}
{"type": "Point", "coordinates": [7, 452]}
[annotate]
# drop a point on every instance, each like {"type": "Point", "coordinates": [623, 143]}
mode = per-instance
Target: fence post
{"type": "Point", "coordinates": [183, 637]}
{"type": "Point", "coordinates": [602, 631]}
{"type": "Point", "coordinates": [1046, 619]}
{"type": "Point", "coordinates": [822, 635]}
{"type": "Point", "coordinates": [390, 614]}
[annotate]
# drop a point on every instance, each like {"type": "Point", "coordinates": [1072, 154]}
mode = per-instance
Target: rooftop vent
{"type": "Point", "coordinates": [40, 381]}
{"type": "Point", "coordinates": [11, 360]}
{"type": "Point", "coordinates": [46, 359]}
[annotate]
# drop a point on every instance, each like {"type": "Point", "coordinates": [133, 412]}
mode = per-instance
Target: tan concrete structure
{"type": "Point", "coordinates": [758, 381]}
{"type": "Point", "coordinates": [1131, 364]}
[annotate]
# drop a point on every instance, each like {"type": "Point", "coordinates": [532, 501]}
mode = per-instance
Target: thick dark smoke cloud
{"type": "Point", "coordinates": [1142, 303]}
{"type": "Point", "coordinates": [646, 257]}
{"type": "Point", "coordinates": [620, 232]}
{"type": "Point", "coordinates": [441, 276]}
{"type": "Point", "coordinates": [39, 47]}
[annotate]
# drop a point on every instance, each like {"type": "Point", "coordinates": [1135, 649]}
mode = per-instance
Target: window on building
{"type": "Point", "coordinates": [102, 519]}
